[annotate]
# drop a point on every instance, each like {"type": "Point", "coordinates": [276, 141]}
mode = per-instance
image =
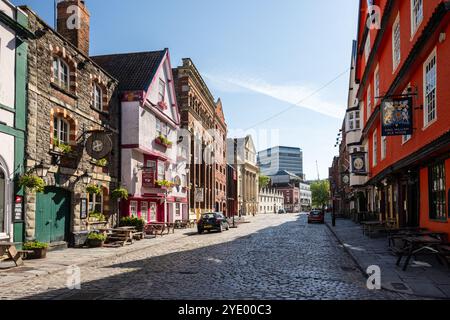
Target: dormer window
{"type": "Point", "coordinates": [61, 73]}
{"type": "Point", "coordinates": [161, 90]}
{"type": "Point", "coordinates": [98, 98]}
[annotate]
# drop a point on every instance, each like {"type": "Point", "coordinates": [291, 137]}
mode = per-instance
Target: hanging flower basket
{"type": "Point", "coordinates": [119, 194]}
{"type": "Point", "coordinates": [32, 183]}
{"type": "Point", "coordinates": [93, 189]}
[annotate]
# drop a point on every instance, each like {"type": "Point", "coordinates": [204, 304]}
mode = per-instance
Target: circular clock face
{"type": "Point", "coordinates": [97, 146]}
{"type": "Point", "coordinates": [359, 164]}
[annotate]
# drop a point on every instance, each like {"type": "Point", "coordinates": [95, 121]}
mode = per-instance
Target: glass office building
{"type": "Point", "coordinates": [277, 159]}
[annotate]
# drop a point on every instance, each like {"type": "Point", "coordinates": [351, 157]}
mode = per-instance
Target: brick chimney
{"type": "Point", "coordinates": [73, 23]}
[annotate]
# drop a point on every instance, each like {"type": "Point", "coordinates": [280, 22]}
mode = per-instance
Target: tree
{"type": "Point", "coordinates": [264, 182]}
{"type": "Point", "coordinates": [320, 193]}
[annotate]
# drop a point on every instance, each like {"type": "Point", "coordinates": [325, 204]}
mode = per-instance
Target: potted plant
{"type": "Point", "coordinates": [164, 184]}
{"type": "Point", "coordinates": [138, 223]}
{"type": "Point", "coordinates": [61, 147]}
{"type": "Point", "coordinates": [102, 162]}
{"type": "Point", "coordinates": [93, 189]}
{"type": "Point", "coordinates": [39, 249]}
{"type": "Point", "coordinates": [162, 140]}
{"type": "Point", "coordinates": [32, 182]}
{"type": "Point", "coordinates": [96, 240]}
{"type": "Point", "coordinates": [119, 194]}
{"type": "Point", "coordinates": [96, 217]}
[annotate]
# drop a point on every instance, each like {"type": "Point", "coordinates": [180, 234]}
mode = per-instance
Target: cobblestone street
{"type": "Point", "coordinates": [272, 257]}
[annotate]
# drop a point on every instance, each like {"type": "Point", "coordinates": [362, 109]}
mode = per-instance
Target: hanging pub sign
{"type": "Point", "coordinates": [359, 163]}
{"type": "Point", "coordinates": [199, 195]}
{"type": "Point", "coordinates": [148, 177]}
{"type": "Point", "coordinates": [397, 117]}
{"type": "Point", "coordinates": [99, 145]}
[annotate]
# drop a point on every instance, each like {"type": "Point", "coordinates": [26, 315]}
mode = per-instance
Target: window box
{"type": "Point", "coordinates": [163, 141]}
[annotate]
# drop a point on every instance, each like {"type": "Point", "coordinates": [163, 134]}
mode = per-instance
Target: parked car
{"type": "Point", "coordinates": [316, 216]}
{"type": "Point", "coordinates": [282, 211]}
{"type": "Point", "coordinates": [212, 221]}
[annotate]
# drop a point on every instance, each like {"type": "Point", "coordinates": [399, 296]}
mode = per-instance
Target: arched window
{"type": "Point", "coordinates": [98, 97]}
{"type": "Point", "coordinates": [61, 129]}
{"type": "Point", "coordinates": [61, 73]}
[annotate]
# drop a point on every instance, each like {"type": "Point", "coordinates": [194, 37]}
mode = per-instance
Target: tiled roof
{"type": "Point", "coordinates": [134, 71]}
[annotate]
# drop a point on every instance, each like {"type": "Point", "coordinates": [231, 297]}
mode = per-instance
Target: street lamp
{"type": "Point", "coordinates": [42, 169]}
{"type": "Point", "coordinates": [86, 178]}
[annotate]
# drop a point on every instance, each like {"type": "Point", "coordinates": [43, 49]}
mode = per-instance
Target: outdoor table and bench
{"type": "Point", "coordinates": [8, 251]}
{"type": "Point", "coordinates": [370, 226]}
{"type": "Point", "coordinates": [415, 245]}
{"type": "Point", "coordinates": [155, 228]}
{"type": "Point", "coordinates": [123, 235]}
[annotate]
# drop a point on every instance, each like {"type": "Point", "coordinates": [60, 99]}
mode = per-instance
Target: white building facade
{"type": "Point", "coordinates": [305, 197]}
{"type": "Point", "coordinates": [270, 201]}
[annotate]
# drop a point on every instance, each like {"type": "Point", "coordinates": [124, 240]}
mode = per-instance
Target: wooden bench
{"type": "Point", "coordinates": [138, 235]}
{"type": "Point", "coordinates": [170, 226]}
{"type": "Point", "coordinates": [9, 251]}
{"type": "Point", "coordinates": [155, 229]}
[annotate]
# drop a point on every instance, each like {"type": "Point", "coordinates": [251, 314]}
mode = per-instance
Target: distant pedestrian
{"type": "Point", "coordinates": [333, 219]}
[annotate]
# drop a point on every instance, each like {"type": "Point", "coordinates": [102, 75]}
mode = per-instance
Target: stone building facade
{"type": "Point", "coordinates": [270, 201]}
{"type": "Point", "coordinates": [72, 121]}
{"type": "Point", "coordinates": [242, 156]}
{"type": "Point", "coordinates": [204, 124]}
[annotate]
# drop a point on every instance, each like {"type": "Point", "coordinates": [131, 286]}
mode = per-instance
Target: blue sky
{"type": "Point", "coordinates": [259, 56]}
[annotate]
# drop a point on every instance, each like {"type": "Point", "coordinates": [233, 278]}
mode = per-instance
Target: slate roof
{"type": "Point", "coordinates": [135, 71]}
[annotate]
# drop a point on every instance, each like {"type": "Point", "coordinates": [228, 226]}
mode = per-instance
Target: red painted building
{"type": "Point", "coordinates": [405, 53]}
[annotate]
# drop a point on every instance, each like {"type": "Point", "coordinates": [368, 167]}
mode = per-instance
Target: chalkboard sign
{"type": "Point", "coordinates": [83, 209]}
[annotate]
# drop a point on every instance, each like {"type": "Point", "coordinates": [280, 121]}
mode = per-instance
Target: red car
{"type": "Point", "coordinates": [316, 216]}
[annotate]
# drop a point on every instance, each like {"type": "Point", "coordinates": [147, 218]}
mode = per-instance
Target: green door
{"type": "Point", "coordinates": [52, 215]}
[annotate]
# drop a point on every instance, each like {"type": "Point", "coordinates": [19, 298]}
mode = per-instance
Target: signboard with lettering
{"type": "Point", "coordinates": [18, 209]}
{"type": "Point", "coordinates": [83, 209]}
{"type": "Point", "coordinates": [396, 117]}
{"type": "Point", "coordinates": [148, 178]}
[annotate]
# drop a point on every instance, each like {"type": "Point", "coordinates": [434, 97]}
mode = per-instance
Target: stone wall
{"type": "Point", "coordinates": [47, 100]}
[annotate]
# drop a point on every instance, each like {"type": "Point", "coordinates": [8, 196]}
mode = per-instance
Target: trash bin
{"type": "Point", "coordinates": [79, 239]}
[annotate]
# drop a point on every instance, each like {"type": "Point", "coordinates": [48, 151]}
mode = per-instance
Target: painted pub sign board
{"type": "Point", "coordinates": [397, 117]}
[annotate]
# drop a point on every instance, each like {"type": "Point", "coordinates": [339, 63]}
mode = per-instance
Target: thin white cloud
{"type": "Point", "coordinates": [294, 94]}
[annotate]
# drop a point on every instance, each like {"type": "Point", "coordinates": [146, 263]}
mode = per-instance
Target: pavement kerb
{"type": "Point", "coordinates": [361, 268]}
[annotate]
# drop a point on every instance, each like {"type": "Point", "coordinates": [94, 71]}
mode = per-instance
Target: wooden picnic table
{"type": "Point", "coordinates": [155, 228]}
{"type": "Point", "coordinates": [122, 235]}
{"type": "Point", "coordinates": [415, 245]}
{"type": "Point", "coordinates": [9, 249]}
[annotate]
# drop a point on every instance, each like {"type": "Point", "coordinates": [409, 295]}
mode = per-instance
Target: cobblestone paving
{"type": "Point", "coordinates": [273, 257]}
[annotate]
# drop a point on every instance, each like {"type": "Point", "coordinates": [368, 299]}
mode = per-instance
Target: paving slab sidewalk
{"type": "Point", "coordinates": [424, 278]}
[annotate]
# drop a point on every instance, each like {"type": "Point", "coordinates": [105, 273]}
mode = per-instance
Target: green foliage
{"type": "Point", "coordinates": [120, 193]}
{"type": "Point", "coordinates": [32, 182]}
{"type": "Point", "coordinates": [102, 162]}
{"type": "Point", "coordinates": [165, 141]}
{"type": "Point", "coordinates": [264, 182]}
{"type": "Point", "coordinates": [96, 236]}
{"type": "Point", "coordinates": [34, 245]}
{"type": "Point", "coordinates": [93, 189]}
{"type": "Point", "coordinates": [133, 222]}
{"type": "Point", "coordinates": [164, 183]}
{"type": "Point", "coordinates": [97, 215]}
{"type": "Point", "coordinates": [320, 193]}
{"type": "Point", "coordinates": [65, 148]}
